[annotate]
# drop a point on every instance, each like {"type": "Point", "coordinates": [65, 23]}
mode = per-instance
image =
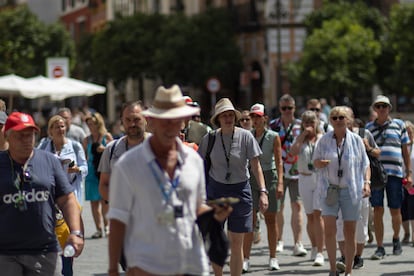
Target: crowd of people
{"type": "Point", "coordinates": [188, 182]}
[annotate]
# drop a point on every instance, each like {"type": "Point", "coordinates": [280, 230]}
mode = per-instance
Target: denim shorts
{"type": "Point", "coordinates": [394, 190]}
{"type": "Point", "coordinates": [350, 211]}
{"type": "Point", "coordinates": [241, 219]}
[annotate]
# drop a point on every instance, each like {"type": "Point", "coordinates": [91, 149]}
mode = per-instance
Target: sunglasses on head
{"type": "Point", "coordinates": [244, 119]}
{"type": "Point", "coordinates": [340, 118]}
{"type": "Point", "coordinates": [378, 106]}
{"type": "Point", "coordinates": [284, 108]}
{"type": "Point", "coordinates": [314, 109]}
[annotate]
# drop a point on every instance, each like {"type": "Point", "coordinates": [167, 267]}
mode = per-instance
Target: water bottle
{"type": "Point", "coordinates": [69, 251]}
{"type": "Point", "coordinates": [411, 190]}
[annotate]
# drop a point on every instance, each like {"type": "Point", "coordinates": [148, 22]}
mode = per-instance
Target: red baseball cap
{"type": "Point", "coordinates": [18, 121]}
{"type": "Point", "coordinates": [257, 109]}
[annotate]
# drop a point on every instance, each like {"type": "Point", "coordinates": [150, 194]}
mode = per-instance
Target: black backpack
{"type": "Point", "coordinates": [379, 176]}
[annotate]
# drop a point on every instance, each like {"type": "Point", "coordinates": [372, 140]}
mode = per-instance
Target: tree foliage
{"type": "Point", "coordinates": [126, 47]}
{"type": "Point", "coordinates": [340, 51]}
{"type": "Point", "coordinates": [174, 48]}
{"type": "Point", "coordinates": [399, 48]}
{"type": "Point", "coordinates": [26, 42]}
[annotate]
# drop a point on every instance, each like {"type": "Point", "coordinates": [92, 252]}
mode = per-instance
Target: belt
{"type": "Point", "coordinates": [307, 174]}
{"type": "Point", "coordinates": [337, 186]}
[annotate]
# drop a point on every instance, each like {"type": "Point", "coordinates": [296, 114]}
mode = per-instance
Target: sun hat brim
{"type": "Point", "coordinates": [227, 108]}
{"type": "Point", "coordinates": [172, 113]}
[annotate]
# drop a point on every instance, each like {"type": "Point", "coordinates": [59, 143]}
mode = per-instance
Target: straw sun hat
{"type": "Point", "coordinates": [170, 104]}
{"type": "Point", "coordinates": [223, 105]}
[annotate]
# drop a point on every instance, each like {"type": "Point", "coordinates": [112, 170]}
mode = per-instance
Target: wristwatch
{"type": "Point", "coordinates": [264, 190]}
{"type": "Point", "coordinates": [77, 233]}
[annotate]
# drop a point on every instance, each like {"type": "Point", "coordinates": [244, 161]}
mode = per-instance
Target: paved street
{"type": "Point", "coordinates": [94, 260]}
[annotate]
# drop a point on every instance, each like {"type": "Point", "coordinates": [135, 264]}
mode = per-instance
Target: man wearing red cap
{"type": "Point", "coordinates": [32, 182]}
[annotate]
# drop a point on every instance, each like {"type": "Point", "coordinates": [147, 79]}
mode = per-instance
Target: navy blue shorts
{"type": "Point", "coordinates": [394, 190]}
{"type": "Point", "coordinates": [241, 219]}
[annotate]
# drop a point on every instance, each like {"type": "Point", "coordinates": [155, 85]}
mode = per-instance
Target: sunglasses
{"type": "Point", "coordinates": [315, 109]}
{"type": "Point", "coordinates": [284, 108]}
{"type": "Point", "coordinates": [340, 118]}
{"type": "Point", "coordinates": [20, 202]}
{"type": "Point", "coordinates": [244, 119]}
{"type": "Point", "coordinates": [378, 106]}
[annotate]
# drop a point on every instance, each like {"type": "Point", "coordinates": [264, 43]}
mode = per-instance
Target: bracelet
{"type": "Point", "coordinates": [367, 182]}
{"type": "Point", "coordinates": [264, 190]}
{"type": "Point", "coordinates": [77, 233]}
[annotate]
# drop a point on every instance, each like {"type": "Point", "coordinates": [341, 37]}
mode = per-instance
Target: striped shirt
{"type": "Point", "coordinates": [390, 137]}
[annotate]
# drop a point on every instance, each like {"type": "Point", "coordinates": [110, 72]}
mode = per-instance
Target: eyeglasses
{"type": "Point", "coordinates": [334, 118]}
{"type": "Point", "coordinates": [284, 108]}
{"type": "Point", "coordinates": [315, 109]}
{"type": "Point", "coordinates": [244, 119]}
{"type": "Point", "coordinates": [378, 106]}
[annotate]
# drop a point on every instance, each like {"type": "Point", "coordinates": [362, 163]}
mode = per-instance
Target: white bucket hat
{"type": "Point", "coordinates": [382, 99]}
{"type": "Point", "coordinates": [170, 104]}
{"type": "Point", "coordinates": [223, 105]}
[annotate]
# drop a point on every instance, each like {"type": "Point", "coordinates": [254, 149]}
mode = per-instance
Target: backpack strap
{"type": "Point", "coordinates": [361, 132]}
{"type": "Point", "coordinates": [325, 127]}
{"type": "Point", "coordinates": [211, 140]}
{"type": "Point", "coordinates": [43, 143]}
{"type": "Point", "coordinates": [210, 144]}
{"type": "Point", "coordinates": [113, 149]}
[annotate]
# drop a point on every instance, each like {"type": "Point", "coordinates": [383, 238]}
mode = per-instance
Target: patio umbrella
{"type": "Point", "coordinates": [77, 88]}
{"type": "Point", "coordinates": [12, 85]}
{"type": "Point", "coordinates": [61, 88]}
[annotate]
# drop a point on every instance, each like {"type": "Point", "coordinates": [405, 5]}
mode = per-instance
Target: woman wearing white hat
{"type": "Point", "coordinates": [234, 148]}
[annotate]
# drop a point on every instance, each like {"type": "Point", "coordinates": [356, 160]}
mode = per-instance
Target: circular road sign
{"type": "Point", "coordinates": [213, 85]}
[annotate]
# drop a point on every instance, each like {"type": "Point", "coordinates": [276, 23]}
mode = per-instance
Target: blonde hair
{"type": "Point", "coordinates": [307, 116]}
{"type": "Point", "coordinates": [99, 121]}
{"type": "Point", "coordinates": [409, 125]}
{"type": "Point", "coordinates": [54, 119]}
{"type": "Point", "coordinates": [341, 111]}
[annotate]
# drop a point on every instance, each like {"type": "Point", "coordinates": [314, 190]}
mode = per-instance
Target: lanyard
{"type": "Point", "coordinates": [312, 149]}
{"type": "Point", "coordinates": [287, 133]}
{"type": "Point", "coordinates": [165, 192]}
{"type": "Point", "coordinates": [340, 150]}
{"type": "Point", "coordinates": [262, 139]}
{"type": "Point", "coordinates": [227, 155]}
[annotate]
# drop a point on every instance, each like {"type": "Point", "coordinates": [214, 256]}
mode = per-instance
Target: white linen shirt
{"type": "Point", "coordinates": [136, 200]}
{"type": "Point", "coordinates": [354, 162]}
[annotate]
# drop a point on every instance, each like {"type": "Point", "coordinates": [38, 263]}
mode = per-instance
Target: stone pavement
{"type": "Point", "coordinates": [94, 259]}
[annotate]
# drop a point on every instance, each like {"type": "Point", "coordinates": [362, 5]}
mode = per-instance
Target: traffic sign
{"type": "Point", "coordinates": [213, 85]}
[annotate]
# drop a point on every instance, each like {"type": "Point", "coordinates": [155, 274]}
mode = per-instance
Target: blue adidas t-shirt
{"type": "Point", "coordinates": [31, 231]}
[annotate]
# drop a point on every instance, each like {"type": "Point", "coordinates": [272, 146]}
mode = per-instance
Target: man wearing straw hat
{"type": "Point", "coordinates": [157, 192]}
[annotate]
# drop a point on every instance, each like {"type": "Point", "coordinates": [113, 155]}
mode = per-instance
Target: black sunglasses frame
{"type": "Point", "coordinates": [378, 106]}
{"type": "Point", "coordinates": [340, 118]}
